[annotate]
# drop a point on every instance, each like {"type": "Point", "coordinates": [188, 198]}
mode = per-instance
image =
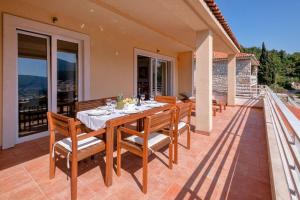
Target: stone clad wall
{"type": "Point", "coordinates": [220, 84]}
{"type": "Point", "coordinates": [243, 72]}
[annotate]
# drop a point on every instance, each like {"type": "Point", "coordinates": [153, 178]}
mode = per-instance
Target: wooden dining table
{"type": "Point", "coordinates": [113, 123]}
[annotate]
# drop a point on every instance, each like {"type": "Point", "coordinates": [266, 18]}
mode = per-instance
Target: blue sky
{"type": "Point", "coordinates": [276, 22]}
{"type": "Point", "coordinates": [38, 67]}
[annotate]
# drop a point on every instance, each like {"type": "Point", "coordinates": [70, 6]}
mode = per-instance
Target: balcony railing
{"type": "Point", "coordinates": [283, 136]}
{"type": "Point", "coordinates": [246, 90]}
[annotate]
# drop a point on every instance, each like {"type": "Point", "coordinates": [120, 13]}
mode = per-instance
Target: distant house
{"type": "Point", "coordinates": [246, 74]}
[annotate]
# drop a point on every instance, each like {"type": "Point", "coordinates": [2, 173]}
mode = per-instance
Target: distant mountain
{"type": "Point", "coordinates": [66, 70]}
{"type": "Point", "coordinates": [38, 83]}
{"type": "Point", "coordinates": [32, 82]}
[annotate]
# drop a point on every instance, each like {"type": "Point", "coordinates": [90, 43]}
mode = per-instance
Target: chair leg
{"type": "Point", "coordinates": [52, 166]}
{"type": "Point", "coordinates": [188, 138]}
{"type": "Point", "coordinates": [145, 173]}
{"type": "Point", "coordinates": [176, 148]}
{"type": "Point", "coordinates": [74, 173]}
{"type": "Point", "coordinates": [118, 153]}
{"type": "Point", "coordinates": [171, 155]}
{"type": "Point", "coordinates": [214, 112]}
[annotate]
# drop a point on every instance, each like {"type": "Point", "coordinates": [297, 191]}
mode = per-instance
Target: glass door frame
{"type": "Point", "coordinates": [153, 76]}
{"type": "Point", "coordinates": [11, 24]}
{"type": "Point", "coordinates": [49, 82]}
{"type": "Point", "coordinates": [54, 68]}
{"type": "Point", "coordinates": [52, 74]}
{"type": "Point", "coordinates": [154, 57]}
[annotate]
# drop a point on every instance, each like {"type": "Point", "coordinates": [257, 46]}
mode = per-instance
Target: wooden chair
{"type": "Point", "coordinates": [216, 107]}
{"type": "Point", "coordinates": [75, 147]}
{"type": "Point", "coordinates": [91, 104]}
{"type": "Point", "coordinates": [166, 99]}
{"type": "Point", "coordinates": [223, 105]}
{"type": "Point", "coordinates": [144, 143]}
{"type": "Point", "coordinates": [182, 124]}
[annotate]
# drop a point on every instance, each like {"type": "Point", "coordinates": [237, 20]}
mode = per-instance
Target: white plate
{"type": "Point", "coordinates": [153, 105]}
{"type": "Point", "coordinates": [102, 108]}
{"type": "Point", "coordinates": [96, 112]}
{"type": "Point", "coordinates": [131, 111]}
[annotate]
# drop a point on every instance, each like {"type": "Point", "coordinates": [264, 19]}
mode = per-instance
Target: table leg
{"type": "Point", "coordinates": [140, 125]}
{"type": "Point", "coordinates": [109, 155]}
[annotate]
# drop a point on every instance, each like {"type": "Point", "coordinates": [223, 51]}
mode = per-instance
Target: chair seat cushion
{"type": "Point", "coordinates": [82, 144]}
{"type": "Point", "coordinates": [154, 138]}
{"type": "Point", "coordinates": [181, 125]}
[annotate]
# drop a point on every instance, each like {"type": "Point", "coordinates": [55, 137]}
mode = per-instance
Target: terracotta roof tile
{"type": "Point", "coordinates": [222, 56]}
{"type": "Point", "coordinates": [217, 13]}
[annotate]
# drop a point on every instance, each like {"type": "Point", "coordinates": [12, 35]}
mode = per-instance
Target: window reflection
{"type": "Point", "coordinates": [67, 77]}
{"type": "Point", "coordinates": [32, 84]}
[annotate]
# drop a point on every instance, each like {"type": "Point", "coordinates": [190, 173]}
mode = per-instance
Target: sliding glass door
{"type": "Point", "coordinates": [154, 76]}
{"type": "Point", "coordinates": [161, 78]}
{"type": "Point", "coordinates": [38, 80]}
{"type": "Point", "coordinates": [33, 82]}
{"type": "Point", "coordinates": [45, 68]}
{"type": "Point", "coordinates": [67, 77]}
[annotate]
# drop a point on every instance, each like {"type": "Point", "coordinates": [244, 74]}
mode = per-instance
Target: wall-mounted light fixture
{"type": "Point", "coordinates": [54, 20]}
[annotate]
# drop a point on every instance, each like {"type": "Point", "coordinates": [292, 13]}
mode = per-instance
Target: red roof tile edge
{"type": "Point", "coordinates": [223, 56]}
{"type": "Point", "coordinates": [217, 13]}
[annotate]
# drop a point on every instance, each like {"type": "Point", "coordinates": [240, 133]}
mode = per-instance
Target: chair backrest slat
{"type": "Point", "coordinates": [61, 124]}
{"type": "Point", "coordinates": [185, 110]}
{"type": "Point", "coordinates": [160, 120]}
{"type": "Point", "coordinates": [166, 99]}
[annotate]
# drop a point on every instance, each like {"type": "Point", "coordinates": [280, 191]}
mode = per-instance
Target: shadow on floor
{"type": "Point", "coordinates": [241, 166]}
{"type": "Point", "coordinates": [24, 152]}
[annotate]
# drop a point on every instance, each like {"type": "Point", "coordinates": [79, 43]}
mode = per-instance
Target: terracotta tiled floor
{"type": "Point", "coordinates": [231, 163]}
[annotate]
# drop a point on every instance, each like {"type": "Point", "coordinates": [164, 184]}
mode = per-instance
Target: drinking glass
{"type": "Point", "coordinates": [114, 105]}
{"type": "Point", "coordinates": [108, 102]}
{"type": "Point", "coordinates": [151, 97]}
{"type": "Point", "coordinates": [143, 97]}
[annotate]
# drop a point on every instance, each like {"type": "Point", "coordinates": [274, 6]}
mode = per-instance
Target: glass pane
{"type": "Point", "coordinates": [143, 75]}
{"type": "Point", "coordinates": [161, 78]}
{"type": "Point", "coordinates": [32, 84]}
{"type": "Point", "coordinates": [153, 65]}
{"type": "Point", "coordinates": [169, 78]}
{"type": "Point", "coordinates": [67, 77]}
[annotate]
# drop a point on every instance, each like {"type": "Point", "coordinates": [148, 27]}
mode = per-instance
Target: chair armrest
{"type": "Point", "coordinates": [78, 123]}
{"type": "Point", "coordinates": [91, 134]}
{"type": "Point", "coordinates": [79, 126]}
{"type": "Point", "coordinates": [131, 132]}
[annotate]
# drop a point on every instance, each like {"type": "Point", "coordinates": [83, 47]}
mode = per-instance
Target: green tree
{"type": "Point", "coordinates": [277, 67]}
{"type": "Point", "coordinates": [264, 72]}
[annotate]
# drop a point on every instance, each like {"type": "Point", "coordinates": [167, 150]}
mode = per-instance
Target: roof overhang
{"type": "Point", "coordinates": [173, 23]}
